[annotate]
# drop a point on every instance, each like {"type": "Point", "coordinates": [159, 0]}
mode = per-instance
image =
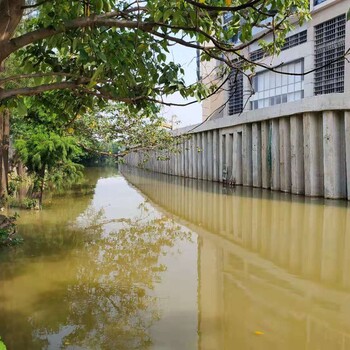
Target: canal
{"type": "Point", "coordinates": [138, 260]}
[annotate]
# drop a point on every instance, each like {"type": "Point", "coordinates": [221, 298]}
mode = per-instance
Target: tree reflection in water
{"type": "Point", "coordinates": [109, 302]}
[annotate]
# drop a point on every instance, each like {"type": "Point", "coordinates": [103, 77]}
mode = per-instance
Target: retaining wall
{"type": "Point", "coordinates": [302, 147]}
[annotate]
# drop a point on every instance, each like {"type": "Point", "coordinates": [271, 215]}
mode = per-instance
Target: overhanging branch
{"type": "Point", "coordinates": [35, 90]}
{"type": "Point", "coordinates": [223, 8]}
{"type": "Point", "coordinates": [10, 46]}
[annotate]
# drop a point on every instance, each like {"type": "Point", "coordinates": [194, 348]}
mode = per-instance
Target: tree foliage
{"type": "Point", "coordinates": [55, 130]}
{"type": "Point", "coordinates": [117, 50]}
{"type": "Point", "coordinates": [44, 141]}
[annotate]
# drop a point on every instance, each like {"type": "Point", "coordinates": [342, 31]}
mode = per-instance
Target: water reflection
{"type": "Point", "coordinates": [268, 262]}
{"type": "Point", "coordinates": [85, 277]}
{"type": "Point", "coordinates": [105, 268]}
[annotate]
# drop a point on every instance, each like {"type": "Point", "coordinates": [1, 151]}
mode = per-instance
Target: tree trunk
{"type": "Point", "coordinates": [42, 178]}
{"type": "Point", "coordinates": [6, 143]}
{"type": "Point", "coordinates": [11, 12]}
{"type": "Point", "coordinates": [22, 190]}
{"type": "Point", "coordinates": [20, 168]}
{"type": "Point", "coordinates": [2, 175]}
{"type": "Point", "coordinates": [4, 151]}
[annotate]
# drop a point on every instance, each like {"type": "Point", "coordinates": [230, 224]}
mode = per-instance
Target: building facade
{"type": "Point", "coordinates": [308, 49]}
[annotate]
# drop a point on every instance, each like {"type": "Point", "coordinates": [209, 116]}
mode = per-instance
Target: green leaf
{"type": "Point", "coordinates": [75, 43]}
{"type": "Point", "coordinates": [21, 108]}
{"type": "Point", "coordinates": [161, 57]}
{"type": "Point", "coordinates": [167, 14]}
{"type": "Point", "coordinates": [158, 15]}
{"type": "Point", "coordinates": [97, 74]}
{"type": "Point", "coordinates": [99, 6]}
{"type": "Point", "coordinates": [2, 345]}
{"type": "Point", "coordinates": [107, 6]}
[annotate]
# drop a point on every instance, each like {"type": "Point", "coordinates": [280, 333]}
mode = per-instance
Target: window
{"type": "Point", "coordinates": [317, 2]}
{"type": "Point", "coordinates": [290, 42]}
{"type": "Point", "coordinates": [273, 88]}
{"type": "Point", "coordinates": [235, 101]}
{"type": "Point", "coordinates": [227, 17]}
{"type": "Point", "coordinates": [295, 40]}
{"type": "Point", "coordinates": [329, 46]}
{"type": "Point", "coordinates": [257, 55]}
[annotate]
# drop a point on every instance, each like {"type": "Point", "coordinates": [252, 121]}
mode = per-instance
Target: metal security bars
{"type": "Point", "coordinates": [295, 40]}
{"type": "Point", "coordinates": [235, 101]}
{"type": "Point", "coordinates": [257, 55]}
{"type": "Point", "coordinates": [290, 42]}
{"type": "Point", "coordinates": [329, 48]}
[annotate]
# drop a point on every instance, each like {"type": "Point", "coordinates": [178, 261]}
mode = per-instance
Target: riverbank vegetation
{"type": "Point", "coordinates": [8, 234]}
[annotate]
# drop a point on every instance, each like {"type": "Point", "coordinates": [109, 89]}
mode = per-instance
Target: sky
{"type": "Point", "coordinates": [191, 114]}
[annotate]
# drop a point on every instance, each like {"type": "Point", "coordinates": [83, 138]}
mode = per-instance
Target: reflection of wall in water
{"type": "Point", "coordinates": [288, 270]}
{"type": "Point", "coordinates": [252, 295]}
{"type": "Point", "coordinates": [304, 236]}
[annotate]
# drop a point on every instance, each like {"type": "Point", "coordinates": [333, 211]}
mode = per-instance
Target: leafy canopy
{"type": "Point", "coordinates": [117, 50]}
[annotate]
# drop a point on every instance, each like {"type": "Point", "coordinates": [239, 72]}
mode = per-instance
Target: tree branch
{"type": "Point", "coordinates": [35, 75]}
{"type": "Point", "coordinates": [10, 15]}
{"type": "Point", "coordinates": [223, 8]}
{"type": "Point", "coordinates": [10, 46]}
{"type": "Point", "coordinates": [35, 90]}
{"type": "Point", "coordinates": [105, 95]}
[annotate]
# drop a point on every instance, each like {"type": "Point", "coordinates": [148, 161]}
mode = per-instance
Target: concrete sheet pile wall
{"type": "Point", "coordinates": [306, 153]}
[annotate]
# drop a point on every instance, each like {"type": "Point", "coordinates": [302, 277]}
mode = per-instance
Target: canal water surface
{"type": "Point", "coordinates": [137, 260]}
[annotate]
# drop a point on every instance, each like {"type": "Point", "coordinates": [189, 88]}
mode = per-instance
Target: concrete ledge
{"type": "Point", "coordinates": [333, 102]}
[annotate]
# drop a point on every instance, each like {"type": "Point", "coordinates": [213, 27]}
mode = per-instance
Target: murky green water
{"type": "Point", "coordinates": [148, 261]}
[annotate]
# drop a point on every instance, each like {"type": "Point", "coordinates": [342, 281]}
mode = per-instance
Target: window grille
{"type": "Point", "coordinates": [295, 40]}
{"type": "Point", "coordinates": [257, 55]}
{"type": "Point", "coordinates": [227, 17]}
{"type": "Point", "coordinates": [330, 46]}
{"type": "Point", "coordinates": [291, 41]}
{"type": "Point", "coordinates": [235, 102]}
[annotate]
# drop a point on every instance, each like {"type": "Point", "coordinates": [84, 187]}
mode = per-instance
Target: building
{"type": "Point", "coordinates": [308, 47]}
